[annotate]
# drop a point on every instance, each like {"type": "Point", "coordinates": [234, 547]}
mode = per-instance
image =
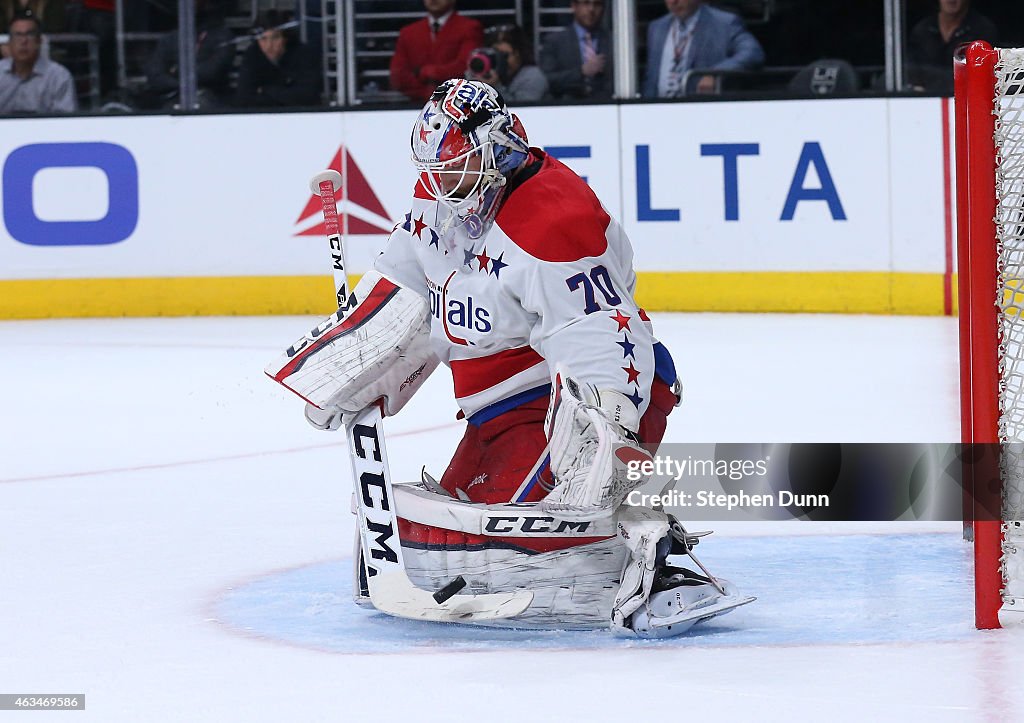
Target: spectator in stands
{"type": "Point", "coordinates": [693, 36]}
{"type": "Point", "coordinates": [506, 63]}
{"type": "Point", "coordinates": [215, 55]}
{"type": "Point", "coordinates": [433, 50]}
{"type": "Point", "coordinates": [50, 13]}
{"type": "Point", "coordinates": [30, 83]}
{"type": "Point", "coordinates": [277, 70]}
{"type": "Point", "coordinates": [578, 60]}
{"type": "Point", "coordinates": [314, 25]}
{"type": "Point", "coordinates": [933, 40]}
{"type": "Point", "coordinates": [96, 17]}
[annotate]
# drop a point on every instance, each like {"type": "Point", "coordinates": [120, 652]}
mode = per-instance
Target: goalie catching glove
{"type": "Point", "coordinates": [379, 350]}
{"type": "Point", "coordinates": [592, 441]}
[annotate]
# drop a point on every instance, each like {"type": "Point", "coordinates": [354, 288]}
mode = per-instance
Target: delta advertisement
{"type": "Point", "coordinates": [826, 205]}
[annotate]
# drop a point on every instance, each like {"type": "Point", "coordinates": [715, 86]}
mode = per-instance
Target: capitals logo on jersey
{"type": "Point", "coordinates": [458, 315]}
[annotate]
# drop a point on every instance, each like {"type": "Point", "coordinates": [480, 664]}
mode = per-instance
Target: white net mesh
{"type": "Point", "coordinates": [1009, 140]}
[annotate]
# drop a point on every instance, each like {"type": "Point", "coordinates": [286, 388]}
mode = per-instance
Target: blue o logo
{"type": "Point", "coordinates": [116, 163]}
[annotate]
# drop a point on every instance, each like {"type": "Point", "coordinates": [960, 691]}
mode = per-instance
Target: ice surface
{"type": "Point", "coordinates": [174, 542]}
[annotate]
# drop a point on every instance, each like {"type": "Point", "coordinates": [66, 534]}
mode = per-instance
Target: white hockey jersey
{"type": "Point", "coordinates": [549, 285]}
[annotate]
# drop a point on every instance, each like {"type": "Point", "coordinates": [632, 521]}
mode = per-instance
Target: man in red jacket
{"type": "Point", "coordinates": [433, 50]}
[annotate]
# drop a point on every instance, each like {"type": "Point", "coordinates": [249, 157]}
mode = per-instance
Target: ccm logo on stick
{"type": "Point", "coordinates": [373, 489]}
{"type": "Point", "coordinates": [116, 163]}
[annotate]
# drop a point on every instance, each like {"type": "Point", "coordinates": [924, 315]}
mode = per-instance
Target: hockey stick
{"type": "Point", "coordinates": [390, 589]}
{"type": "Point", "coordinates": [326, 184]}
{"type": "Point", "coordinates": [379, 564]}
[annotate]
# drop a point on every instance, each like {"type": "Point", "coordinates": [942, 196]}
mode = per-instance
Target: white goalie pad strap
{"type": "Point", "coordinates": [379, 349]}
{"type": "Point", "coordinates": [640, 528]}
{"type": "Point", "coordinates": [591, 452]}
{"type": "Point", "coordinates": [572, 569]}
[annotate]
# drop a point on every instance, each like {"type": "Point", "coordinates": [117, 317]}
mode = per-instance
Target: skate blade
{"type": "Point", "coordinates": [720, 606]}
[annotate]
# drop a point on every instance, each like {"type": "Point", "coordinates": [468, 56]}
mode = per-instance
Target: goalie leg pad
{"type": "Point", "coordinates": [378, 349]}
{"type": "Point", "coordinates": [572, 569]}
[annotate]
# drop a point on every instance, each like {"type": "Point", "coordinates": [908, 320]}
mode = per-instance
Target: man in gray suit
{"type": "Point", "coordinates": [694, 36]}
{"type": "Point", "coordinates": [578, 60]}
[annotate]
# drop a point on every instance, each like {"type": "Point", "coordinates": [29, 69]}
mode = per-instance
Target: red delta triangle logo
{"type": "Point", "coordinates": [356, 195]}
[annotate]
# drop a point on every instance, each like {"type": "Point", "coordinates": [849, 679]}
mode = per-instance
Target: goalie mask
{"type": "Point", "coordinates": [466, 144]}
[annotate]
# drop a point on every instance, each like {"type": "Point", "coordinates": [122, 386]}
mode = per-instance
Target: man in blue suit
{"type": "Point", "coordinates": [692, 36]}
{"type": "Point", "coordinates": [578, 59]}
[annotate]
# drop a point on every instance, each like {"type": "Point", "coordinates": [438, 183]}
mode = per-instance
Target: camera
{"type": "Point", "coordinates": [483, 60]}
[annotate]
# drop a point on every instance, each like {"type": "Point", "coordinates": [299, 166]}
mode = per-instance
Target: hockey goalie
{"type": "Point", "coordinates": [508, 269]}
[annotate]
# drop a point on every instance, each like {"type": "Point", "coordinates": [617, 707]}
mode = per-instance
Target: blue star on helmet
{"type": "Point", "coordinates": [427, 115]}
{"type": "Point", "coordinates": [433, 239]}
{"type": "Point", "coordinates": [627, 348]}
{"type": "Point", "coordinates": [497, 265]}
{"type": "Point", "coordinates": [635, 398]}
{"type": "Point", "coordinates": [470, 257]}
{"type": "Point", "coordinates": [407, 226]}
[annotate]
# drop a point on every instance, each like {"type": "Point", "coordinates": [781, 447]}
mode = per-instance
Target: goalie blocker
{"type": "Point", "coordinates": [380, 351]}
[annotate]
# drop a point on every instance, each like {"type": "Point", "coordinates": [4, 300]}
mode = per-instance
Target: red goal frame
{"type": "Point", "coordinates": [974, 79]}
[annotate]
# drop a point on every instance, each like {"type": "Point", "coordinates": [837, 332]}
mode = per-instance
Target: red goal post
{"type": "Point", "coordinates": [989, 119]}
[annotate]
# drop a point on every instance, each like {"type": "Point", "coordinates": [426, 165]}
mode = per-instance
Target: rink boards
{"type": "Point", "coordinates": [827, 205]}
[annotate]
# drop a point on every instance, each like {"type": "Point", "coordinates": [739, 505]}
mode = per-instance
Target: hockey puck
{"type": "Point", "coordinates": [442, 595]}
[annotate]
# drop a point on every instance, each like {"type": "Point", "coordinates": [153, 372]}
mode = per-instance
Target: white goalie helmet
{"type": "Point", "coordinates": [466, 144]}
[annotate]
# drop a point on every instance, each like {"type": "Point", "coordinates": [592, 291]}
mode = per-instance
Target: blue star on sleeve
{"type": "Point", "coordinates": [627, 347]}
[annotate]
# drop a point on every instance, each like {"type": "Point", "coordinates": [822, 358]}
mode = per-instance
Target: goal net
{"type": "Point", "coordinates": [990, 207]}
